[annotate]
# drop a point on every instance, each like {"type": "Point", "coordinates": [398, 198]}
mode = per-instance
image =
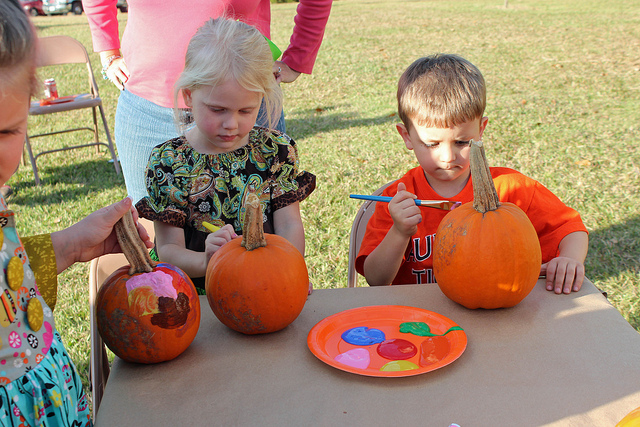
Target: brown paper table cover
{"type": "Point", "coordinates": [566, 360]}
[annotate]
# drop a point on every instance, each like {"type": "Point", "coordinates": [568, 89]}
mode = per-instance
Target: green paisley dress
{"type": "Point", "coordinates": [186, 187]}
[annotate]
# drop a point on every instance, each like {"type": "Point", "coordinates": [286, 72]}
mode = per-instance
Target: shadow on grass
{"type": "Point", "coordinates": [313, 121]}
{"type": "Point", "coordinates": [614, 249]}
{"type": "Point", "coordinates": [615, 252]}
{"type": "Point", "coordinates": [67, 182]}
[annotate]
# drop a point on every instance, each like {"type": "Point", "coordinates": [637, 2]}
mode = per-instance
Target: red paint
{"type": "Point", "coordinates": [397, 349]}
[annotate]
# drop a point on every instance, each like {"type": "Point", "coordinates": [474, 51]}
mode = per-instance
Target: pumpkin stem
{"type": "Point", "coordinates": [132, 246]}
{"type": "Point", "coordinates": [485, 196]}
{"type": "Point", "coordinates": [253, 230]}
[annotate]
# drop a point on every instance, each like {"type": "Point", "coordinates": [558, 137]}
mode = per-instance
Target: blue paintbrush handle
{"type": "Point", "coordinates": [385, 199]}
{"type": "Point", "coordinates": [438, 204]}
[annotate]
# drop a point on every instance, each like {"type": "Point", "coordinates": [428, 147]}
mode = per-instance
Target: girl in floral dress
{"type": "Point", "coordinates": [205, 175]}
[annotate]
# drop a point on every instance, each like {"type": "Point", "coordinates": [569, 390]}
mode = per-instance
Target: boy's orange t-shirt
{"type": "Point", "coordinates": [551, 218]}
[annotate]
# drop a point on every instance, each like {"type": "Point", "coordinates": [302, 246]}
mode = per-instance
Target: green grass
{"type": "Point", "coordinates": [563, 94]}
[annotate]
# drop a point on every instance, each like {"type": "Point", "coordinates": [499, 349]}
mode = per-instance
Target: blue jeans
{"type": "Point", "coordinates": [140, 126]}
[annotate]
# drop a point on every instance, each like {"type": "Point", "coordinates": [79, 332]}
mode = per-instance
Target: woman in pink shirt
{"type": "Point", "coordinates": [147, 63]}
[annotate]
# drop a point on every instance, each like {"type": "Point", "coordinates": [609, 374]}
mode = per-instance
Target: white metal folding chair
{"type": "Point", "coordinates": [59, 50]}
{"type": "Point", "coordinates": [357, 233]}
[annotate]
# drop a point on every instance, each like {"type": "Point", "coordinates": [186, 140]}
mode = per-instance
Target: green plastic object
{"type": "Point", "coordinates": [275, 50]}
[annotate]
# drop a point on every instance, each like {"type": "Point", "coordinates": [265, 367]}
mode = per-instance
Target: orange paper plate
{"type": "Point", "coordinates": [326, 343]}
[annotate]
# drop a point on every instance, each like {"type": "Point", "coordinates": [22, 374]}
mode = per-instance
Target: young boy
{"type": "Point", "coordinates": [441, 102]}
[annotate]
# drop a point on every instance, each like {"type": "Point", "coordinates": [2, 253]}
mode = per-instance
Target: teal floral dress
{"type": "Point", "coordinates": [39, 384]}
{"type": "Point", "coordinates": [186, 187]}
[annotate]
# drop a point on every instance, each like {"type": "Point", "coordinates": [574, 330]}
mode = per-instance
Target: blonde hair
{"type": "Point", "coordinates": [18, 43]}
{"type": "Point", "coordinates": [441, 90]}
{"type": "Point", "coordinates": [224, 48]}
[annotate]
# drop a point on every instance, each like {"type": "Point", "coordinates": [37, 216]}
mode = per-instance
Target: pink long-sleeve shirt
{"type": "Point", "coordinates": [157, 33]}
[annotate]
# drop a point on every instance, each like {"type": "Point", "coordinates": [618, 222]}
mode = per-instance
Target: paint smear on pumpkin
{"type": "Point", "coordinates": [160, 283]}
{"type": "Point", "coordinates": [144, 290]}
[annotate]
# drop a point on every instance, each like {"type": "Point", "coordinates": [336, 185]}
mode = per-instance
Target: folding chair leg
{"type": "Point", "coordinates": [95, 130]}
{"type": "Point", "coordinates": [33, 160]}
{"type": "Point", "coordinates": [116, 164]}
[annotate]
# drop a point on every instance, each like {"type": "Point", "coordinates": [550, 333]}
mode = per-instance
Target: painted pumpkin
{"type": "Point", "coordinates": [146, 312]}
{"type": "Point", "coordinates": [486, 253]}
{"type": "Point", "coordinates": [257, 283]}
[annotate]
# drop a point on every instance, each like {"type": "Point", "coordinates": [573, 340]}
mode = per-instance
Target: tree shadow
{"type": "Point", "coordinates": [69, 182]}
{"type": "Point", "coordinates": [312, 121]}
{"type": "Point", "coordinates": [615, 249]}
{"type": "Point", "coordinates": [615, 252]}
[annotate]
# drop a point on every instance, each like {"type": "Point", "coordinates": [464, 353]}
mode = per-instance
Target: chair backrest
{"type": "Point", "coordinates": [100, 269]}
{"type": "Point", "coordinates": [357, 233]}
{"type": "Point", "coordinates": [59, 50]}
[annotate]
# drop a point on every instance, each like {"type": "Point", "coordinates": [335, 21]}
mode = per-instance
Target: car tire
{"type": "Point", "coordinates": [33, 11]}
{"type": "Point", "coordinates": [76, 8]}
{"type": "Point", "coordinates": [124, 9]}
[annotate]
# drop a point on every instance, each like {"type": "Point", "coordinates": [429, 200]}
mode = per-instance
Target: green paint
{"type": "Point", "coordinates": [423, 330]}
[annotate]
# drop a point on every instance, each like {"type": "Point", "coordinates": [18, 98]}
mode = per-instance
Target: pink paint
{"type": "Point", "coordinates": [160, 283]}
{"type": "Point", "coordinates": [357, 358]}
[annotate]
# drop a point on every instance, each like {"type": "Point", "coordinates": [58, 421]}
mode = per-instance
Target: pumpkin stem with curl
{"type": "Point", "coordinates": [485, 196]}
{"type": "Point", "coordinates": [253, 230]}
{"type": "Point", "coordinates": [132, 246]}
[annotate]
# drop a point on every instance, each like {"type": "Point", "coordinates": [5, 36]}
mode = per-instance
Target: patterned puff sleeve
{"type": "Point", "coordinates": [168, 176]}
{"type": "Point", "coordinates": [288, 183]}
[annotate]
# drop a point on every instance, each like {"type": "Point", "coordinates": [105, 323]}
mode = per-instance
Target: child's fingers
{"type": "Point", "coordinates": [579, 278]}
{"type": "Point", "coordinates": [569, 278]}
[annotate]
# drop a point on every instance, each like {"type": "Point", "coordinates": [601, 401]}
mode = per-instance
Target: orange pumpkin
{"type": "Point", "coordinates": [257, 283]}
{"type": "Point", "coordinates": [486, 253]}
{"type": "Point", "coordinates": [146, 312]}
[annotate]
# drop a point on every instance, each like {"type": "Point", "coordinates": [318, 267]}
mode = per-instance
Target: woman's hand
{"type": "Point", "coordinates": [114, 67]}
{"type": "Point", "coordinates": [283, 73]}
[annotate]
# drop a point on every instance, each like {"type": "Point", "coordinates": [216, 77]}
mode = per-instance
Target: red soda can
{"type": "Point", "coordinates": [50, 89]}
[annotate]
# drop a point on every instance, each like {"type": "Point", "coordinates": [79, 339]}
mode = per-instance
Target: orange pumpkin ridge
{"type": "Point", "coordinates": [486, 253]}
{"type": "Point", "coordinates": [257, 283]}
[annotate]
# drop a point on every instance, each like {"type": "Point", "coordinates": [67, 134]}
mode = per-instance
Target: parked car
{"type": "Point", "coordinates": [33, 7]}
{"type": "Point", "coordinates": [123, 6]}
{"type": "Point", "coordinates": [62, 7]}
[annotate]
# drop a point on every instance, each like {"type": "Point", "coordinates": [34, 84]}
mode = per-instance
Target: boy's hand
{"type": "Point", "coordinates": [404, 211]}
{"type": "Point", "coordinates": [563, 275]}
{"type": "Point", "coordinates": [217, 239]}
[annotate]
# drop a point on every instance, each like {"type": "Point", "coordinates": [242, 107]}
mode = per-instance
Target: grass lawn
{"type": "Point", "coordinates": [563, 105]}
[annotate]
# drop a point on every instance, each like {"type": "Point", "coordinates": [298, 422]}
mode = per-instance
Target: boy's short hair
{"type": "Point", "coordinates": [441, 90]}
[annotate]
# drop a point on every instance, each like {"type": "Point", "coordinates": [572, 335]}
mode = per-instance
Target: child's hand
{"type": "Point", "coordinates": [404, 211]}
{"type": "Point", "coordinates": [94, 236]}
{"type": "Point", "coordinates": [217, 239]}
{"type": "Point", "coordinates": [563, 275]}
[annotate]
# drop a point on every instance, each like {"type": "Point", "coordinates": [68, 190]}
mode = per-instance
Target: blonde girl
{"type": "Point", "coordinates": [205, 174]}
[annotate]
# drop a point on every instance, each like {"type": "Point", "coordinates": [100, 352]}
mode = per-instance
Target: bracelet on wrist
{"type": "Point", "coordinates": [107, 64]}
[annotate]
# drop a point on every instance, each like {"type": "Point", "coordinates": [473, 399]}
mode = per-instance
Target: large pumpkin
{"type": "Point", "coordinates": [486, 253]}
{"type": "Point", "coordinates": [146, 312]}
{"type": "Point", "coordinates": [257, 283]}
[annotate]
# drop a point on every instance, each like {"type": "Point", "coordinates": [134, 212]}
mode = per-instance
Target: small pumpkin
{"type": "Point", "coordinates": [486, 253]}
{"type": "Point", "coordinates": [147, 312]}
{"type": "Point", "coordinates": [257, 283]}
